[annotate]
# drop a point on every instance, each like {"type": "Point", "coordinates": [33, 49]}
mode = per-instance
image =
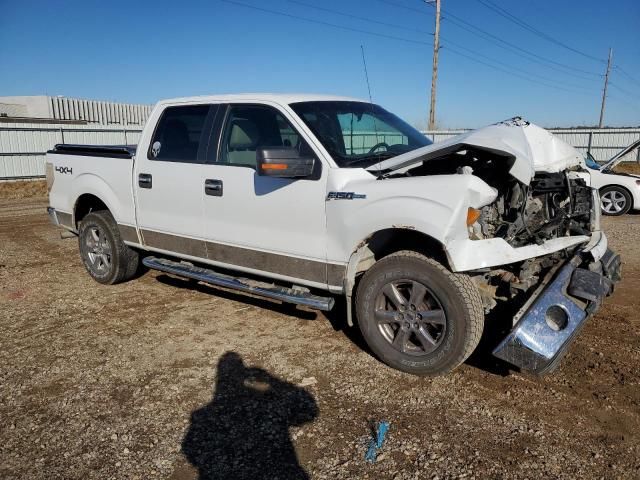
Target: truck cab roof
{"type": "Point", "coordinates": [279, 98]}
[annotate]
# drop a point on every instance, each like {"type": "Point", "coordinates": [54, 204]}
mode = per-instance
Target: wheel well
{"type": "Point", "coordinates": [619, 187]}
{"type": "Point", "coordinates": [85, 204]}
{"type": "Point", "coordinates": [391, 240]}
{"type": "Point", "coordinates": [383, 243]}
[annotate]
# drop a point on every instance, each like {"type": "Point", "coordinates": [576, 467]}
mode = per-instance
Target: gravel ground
{"type": "Point", "coordinates": [164, 378]}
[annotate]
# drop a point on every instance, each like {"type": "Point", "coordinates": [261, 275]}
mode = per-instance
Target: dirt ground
{"type": "Point", "coordinates": [23, 189]}
{"type": "Point", "coordinates": [628, 167]}
{"type": "Point", "coordinates": [163, 378]}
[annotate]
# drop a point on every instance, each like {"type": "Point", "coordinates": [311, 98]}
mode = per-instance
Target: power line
{"type": "Point", "coordinates": [423, 31]}
{"type": "Point", "coordinates": [395, 4]}
{"type": "Point", "coordinates": [511, 72]}
{"type": "Point", "coordinates": [504, 13]}
{"type": "Point", "coordinates": [336, 12]}
{"type": "Point", "coordinates": [511, 67]}
{"type": "Point", "coordinates": [625, 102]}
{"type": "Point", "coordinates": [463, 24]}
{"type": "Point", "coordinates": [531, 56]}
{"type": "Point", "coordinates": [626, 92]}
{"type": "Point", "coordinates": [508, 70]}
{"type": "Point", "coordinates": [326, 24]}
{"type": "Point", "coordinates": [357, 17]}
{"type": "Point", "coordinates": [623, 72]}
{"type": "Point", "coordinates": [501, 11]}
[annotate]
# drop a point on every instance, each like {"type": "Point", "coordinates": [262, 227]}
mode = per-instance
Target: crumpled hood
{"type": "Point", "coordinates": [533, 149]}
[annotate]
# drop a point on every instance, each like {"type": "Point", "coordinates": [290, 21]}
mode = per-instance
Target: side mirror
{"type": "Point", "coordinates": [283, 162]}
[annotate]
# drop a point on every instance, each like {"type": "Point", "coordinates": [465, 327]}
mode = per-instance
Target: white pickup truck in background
{"type": "Point", "coordinates": [286, 197]}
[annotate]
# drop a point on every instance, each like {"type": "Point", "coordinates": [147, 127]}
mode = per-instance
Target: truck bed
{"type": "Point", "coordinates": [75, 170]}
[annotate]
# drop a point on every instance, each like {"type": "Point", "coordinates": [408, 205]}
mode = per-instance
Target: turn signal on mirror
{"type": "Point", "coordinates": [473, 214]}
{"type": "Point", "coordinates": [274, 166]}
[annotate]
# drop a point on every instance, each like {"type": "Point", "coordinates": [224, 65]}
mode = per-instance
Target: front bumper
{"type": "Point", "coordinates": [556, 312]}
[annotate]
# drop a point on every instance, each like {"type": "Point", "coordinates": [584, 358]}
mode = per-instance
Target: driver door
{"type": "Point", "coordinates": [265, 224]}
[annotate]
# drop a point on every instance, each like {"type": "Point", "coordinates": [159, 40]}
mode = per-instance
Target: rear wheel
{"type": "Point", "coordinates": [105, 256]}
{"type": "Point", "coordinates": [615, 200]}
{"type": "Point", "coordinates": [417, 316]}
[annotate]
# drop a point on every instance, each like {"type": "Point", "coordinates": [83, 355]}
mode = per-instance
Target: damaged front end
{"type": "Point", "coordinates": [557, 310]}
{"type": "Point", "coordinates": [559, 291]}
{"type": "Point", "coordinates": [553, 205]}
{"type": "Point", "coordinates": [536, 248]}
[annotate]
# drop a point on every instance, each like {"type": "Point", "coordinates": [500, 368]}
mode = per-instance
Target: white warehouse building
{"type": "Point", "coordinates": [42, 107]}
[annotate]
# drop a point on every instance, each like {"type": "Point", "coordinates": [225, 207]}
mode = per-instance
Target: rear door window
{"type": "Point", "coordinates": [182, 134]}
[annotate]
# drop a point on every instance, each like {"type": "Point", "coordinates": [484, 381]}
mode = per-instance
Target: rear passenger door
{"type": "Point", "coordinates": [169, 180]}
{"type": "Point", "coordinates": [265, 224]}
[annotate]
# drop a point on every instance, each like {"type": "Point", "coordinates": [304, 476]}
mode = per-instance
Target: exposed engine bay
{"type": "Point", "coordinates": [554, 204]}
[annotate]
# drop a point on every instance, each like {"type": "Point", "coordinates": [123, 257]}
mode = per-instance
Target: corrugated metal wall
{"type": "Point", "coordinates": [23, 145]}
{"type": "Point", "coordinates": [93, 111]}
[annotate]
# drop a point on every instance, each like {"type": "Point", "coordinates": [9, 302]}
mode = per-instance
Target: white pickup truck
{"type": "Point", "coordinates": [300, 198]}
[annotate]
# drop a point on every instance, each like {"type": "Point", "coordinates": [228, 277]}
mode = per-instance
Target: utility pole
{"type": "Point", "coordinates": [604, 90]}
{"type": "Point", "coordinates": [434, 74]}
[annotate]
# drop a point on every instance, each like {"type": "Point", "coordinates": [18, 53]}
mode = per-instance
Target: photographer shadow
{"type": "Point", "coordinates": [244, 431]}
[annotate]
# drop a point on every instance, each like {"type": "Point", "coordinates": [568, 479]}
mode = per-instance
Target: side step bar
{"type": "Point", "coordinates": [288, 295]}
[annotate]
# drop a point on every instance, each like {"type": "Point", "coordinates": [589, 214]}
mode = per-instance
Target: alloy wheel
{"type": "Point", "coordinates": [98, 250]}
{"type": "Point", "coordinates": [410, 317]}
{"type": "Point", "coordinates": [613, 201]}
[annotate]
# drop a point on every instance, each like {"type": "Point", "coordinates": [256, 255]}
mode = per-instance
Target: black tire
{"type": "Point", "coordinates": [105, 256]}
{"type": "Point", "coordinates": [451, 300]}
{"type": "Point", "coordinates": [615, 200]}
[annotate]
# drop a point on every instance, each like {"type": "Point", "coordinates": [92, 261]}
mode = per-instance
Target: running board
{"type": "Point", "coordinates": [288, 295]}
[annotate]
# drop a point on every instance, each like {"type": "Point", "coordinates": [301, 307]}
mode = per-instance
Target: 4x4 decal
{"type": "Point", "coordinates": [64, 170]}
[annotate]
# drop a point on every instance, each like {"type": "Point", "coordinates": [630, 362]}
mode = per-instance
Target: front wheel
{"type": "Point", "coordinates": [105, 256]}
{"type": "Point", "coordinates": [615, 200]}
{"type": "Point", "coordinates": [417, 316]}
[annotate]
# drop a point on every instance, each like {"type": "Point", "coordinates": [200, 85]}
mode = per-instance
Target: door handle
{"type": "Point", "coordinates": [145, 180]}
{"type": "Point", "coordinates": [213, 187]}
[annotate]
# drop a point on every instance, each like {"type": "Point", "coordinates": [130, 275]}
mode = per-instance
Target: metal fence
{"type": "Point", "coordinates": [23, 145]}
{"type": "Point", "coordinates": [604, 143]}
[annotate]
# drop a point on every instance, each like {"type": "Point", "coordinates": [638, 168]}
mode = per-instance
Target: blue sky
{"type": "Point", "coordinates": [143, 51]}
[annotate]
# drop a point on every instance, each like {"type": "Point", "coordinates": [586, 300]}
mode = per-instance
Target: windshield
{"type": "Point", "coordinates": [591, 163]}
{"type": "Point", "coordinates": [359, 134]}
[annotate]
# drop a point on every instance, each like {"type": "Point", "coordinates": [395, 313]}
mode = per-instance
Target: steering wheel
{"type": "Point", "coordinates": [379, 145]}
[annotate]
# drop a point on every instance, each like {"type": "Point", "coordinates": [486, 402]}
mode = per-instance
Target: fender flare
{"type": "Point", "coordinates": [363, 257]}
{"type": "Point", "coordinates": [90, 184]}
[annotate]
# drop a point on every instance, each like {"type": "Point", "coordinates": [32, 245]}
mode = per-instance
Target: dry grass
{"type": "Point", "coordinates": [628, 167]}
{"type": "Point", "coordinates": [23, 189]}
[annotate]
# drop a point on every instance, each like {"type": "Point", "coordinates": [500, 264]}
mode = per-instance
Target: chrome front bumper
{"type": "Point", "coordinates": [556, 312]}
